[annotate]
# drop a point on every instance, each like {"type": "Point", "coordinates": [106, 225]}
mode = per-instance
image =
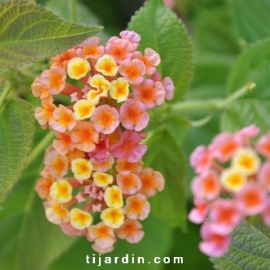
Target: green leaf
{"type": "Point", "coordinates": [155, 230]}
{"type": "Point", "coordinates": [215, 48]}
{"type": "Point", "coordinates": [176, 124]}
{"type": "Point", "coordinates": [251, 19]}
{"type": "Point", "coordinates": [253, 65]}
{"type": "Point", "coordinates": [249, 249]}
{"type": "Point", "coordinates": [29, 32]}
{"type": "Point", "coordinates": [165, 155]}
{"type": "Point", "coordinates": [246, 112]}
{"type": "Point", "coordinates": [28, 239]}
{"type": "Point", "coordinates": [16, 137]}
{"type": "Point", "coordinates": [84, 14]}
{"type": "Point", "coordinates": [161, 30]}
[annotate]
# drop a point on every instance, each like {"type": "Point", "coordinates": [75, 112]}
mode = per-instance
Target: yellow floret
{"type": "Point", "coordinates": [80, 219]}
{"type": "Point", "coordinates": [93, 96]}
{"type": "Point", "coordinates": [82, 168]}
{"type": "Point", "coordinates": [112, 217]}
{"type": "Point", "coordinates": [77, 68]}
{"type": "Point", "coordinates": [102, 179]}
{"type": "Point", "coordinates": [113, 197]}
{"type": "Point", "coordinates": [106, 65]}
{"type": "Point", "coordinates": [119, 89]}
{"type": "Point", "coordinates": [61, 191]}
{"type": "Point", "coordinates": [233, 179]}
{"type": "Point", "coordinates": [99, 82]}
{"type": "Point", "coordinates": [246, 160]}
{"type": "Point", "coordinates": [83, 109]}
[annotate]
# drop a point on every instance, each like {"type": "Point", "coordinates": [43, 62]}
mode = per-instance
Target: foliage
{"type": "Point", "coordinates": [210, 49]}
{"type": "Point", "coordinates": [16, 135]}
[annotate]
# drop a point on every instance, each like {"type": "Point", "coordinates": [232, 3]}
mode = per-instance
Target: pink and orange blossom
{"type": "Point", "coordinates": [95, 163]}
{"type": "Point", "coordinates": [232, 184]}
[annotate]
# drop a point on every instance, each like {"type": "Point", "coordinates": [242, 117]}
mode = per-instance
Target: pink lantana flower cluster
{"type": "Point", "coordinates": [232, 183]}
{"type": "Point", "coordinates": [95, 163]}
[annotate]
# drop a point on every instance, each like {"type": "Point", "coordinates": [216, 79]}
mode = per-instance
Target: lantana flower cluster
{"type": "Point", "coordinates": [95, 163]}
{"type": "Point", "coordinates": [232, 183]}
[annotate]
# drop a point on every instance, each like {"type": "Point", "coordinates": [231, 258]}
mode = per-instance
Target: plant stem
{"type": "Point", "coordinates": [40, 147]}
{"type": "Point", "coordinates": [72, 10]}
{"type": "Point", "coordinates": [212, 104]}
{"type": "Point", "coordinates": [4, 94]}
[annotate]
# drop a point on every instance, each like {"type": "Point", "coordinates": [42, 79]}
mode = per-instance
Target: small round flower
{"type": "Point", "coordinates": [201, 159]}
{"type": "Point", "coordinates": [103, 166]}
{"type": "Point", "coordinates": [130, 231]}
{"type": "Point", "coordinates": [119, 89]}
{"type": "Point", "coordinates": [199, 213]}
{"type": "Point", "coordinates": [206, 186]}
{"type": "Point", "coordinates": [128, 182]}
{"type": "Point", "coordinates": [105, 119]}
{"type": "Point", "coordinates": [61, 191]}
{"type": "Point", "coordinates": [101, 152]}
{"type": "Point", "coordinates": [102, 179]}
{"type": "Point", "coordinates": [129, 147]}
{"type": "Point", "coordinates": [53, 79]}
{"type": "Point", "coordinates": [102, 235]}
{"type": "Point", "coordinates": [168, 87]}
{"type": "Point", "coordinates": [119, 49]}
{"type": "Point", "coordinates": [137, 207]}
{"type": "Point", "coordinates": [151, 59]}
{"type": "Point", "coordinates": [80, 219]}
{"type": "Point", "coordinates": [63, 119]}
{"type": "Point", "coordinates": [73, 154]}
{"type": "Point", "coordinates": [132, 70]}
{"type": "Point", "coordinates": [84, 136]}
{"type": "Point", "coordinates": [246, 160]}
{"type": "Point", "coordinates": [38, 90]}
{"type": "Point", "coordinates": [90, 48]}
{"type": "Point", "coordinates": [55, 212]}
{"type": "Point", "coordinates": [101, 84]}
{"type": "Point", "coordinates": [56, 164]}
{"type": "Point", "coordinates": [106, 65]}
{"type": "Point", "coordinates": [82, 168]}
{"type": "Point", "coordinates": [233, 179]}
{"type": "Point", "coordinates": [83, 109]}
{"type": "Point", "coordinates": [150, 93]}
{"type": "Point", "coordinates": [113, 217]}
{"type": "Point", "coordinates": [133, 115]}
{"type": "Point", "coordinates": [113, 197]}
{"type": "Point", "coordinates": [151, 182]}
{"type": "Point", "coordinates": [44, 115]}
{"type": "Point", "coordinates": [43, 186]}
{"type": "Point", "coordinates": [214, 245]}
{"type": "Point", "coordinates": [93, 96]}
{"type": "Point", "coordinates": [77, 68]}
{"type": "Point", "coordinates": [61, 60]}
{"type": "Point", "coordinates": [67, 229]}
{"type": "Point", "coordinates": [224, 216]}
{"type": "Point", "coordinates": [245, 134]}
{"type": "Point", "coordinates": [132, 37]}
{"type": "Point", "coordinates": [251, 199]}
{"type": "Point", "coordinates": [123, 165]}
{"type": "Point", "coordinates": [64, 144]}
{"type": "Point", "coordinates": [224, 145]}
